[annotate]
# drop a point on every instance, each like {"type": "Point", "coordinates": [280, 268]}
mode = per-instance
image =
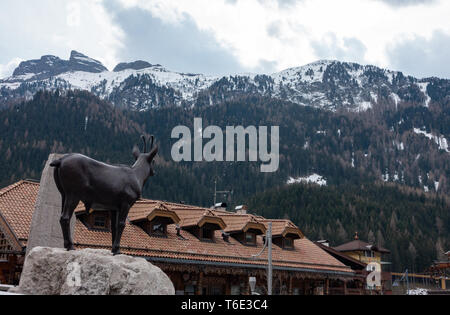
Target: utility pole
{"type": "Point", "coordinates": [268, 244]}
{"type": "Point", "coordinates": [269, 273]}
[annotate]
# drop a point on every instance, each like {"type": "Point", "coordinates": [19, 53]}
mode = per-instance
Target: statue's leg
{"type": "Point", "coordinates": [114, 220]}
{"type": "Point", "coordinates": [122, 217]}
{"type": "Point", "coordinates": [70, 204]}
{"type": "Point", "coordinates": [63, 201]}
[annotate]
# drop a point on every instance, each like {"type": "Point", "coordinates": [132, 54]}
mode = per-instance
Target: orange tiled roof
{"type": "Point", "coordinates": [195, 216]}
{"type": "Point", "coordinates": [17, 206]}
{"type": "Point", "coordinates": [281, 228]}
{"type": "Point", "coordinates": [242, 222]}
{"type": "Point", "coordinates": [148, 209]}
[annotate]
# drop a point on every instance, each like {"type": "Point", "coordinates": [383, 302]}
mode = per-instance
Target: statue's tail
{"type": "Point", "coordinates": [56, 164]}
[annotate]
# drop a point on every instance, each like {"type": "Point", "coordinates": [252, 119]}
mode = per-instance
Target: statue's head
{"type": "Point", "coordinates": [148, 155]}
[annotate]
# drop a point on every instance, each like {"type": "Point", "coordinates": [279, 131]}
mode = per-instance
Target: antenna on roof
{"type": "Point", "coordinates": [222, 192]}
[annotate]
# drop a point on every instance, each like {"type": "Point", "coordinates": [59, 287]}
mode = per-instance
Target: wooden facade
{"type": "Point", "coordinates": [210, 280]}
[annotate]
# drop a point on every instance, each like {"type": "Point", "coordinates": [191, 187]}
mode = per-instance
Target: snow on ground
{"type": "Point", "coordinates": [399, 145]}
{"type": "Point", "coordinates": [187, 84]}
{"type": "Point", "coordinates": [441, 141]}
{"type": "Point", "coordinates": [396, 99]}
{"type": "Point", "coordinates": [374, 97]}
{"type": "Point", "coordinates": [306, 146]}
{"type": "Point", "coordinates": [418, 291]}
{"type": "Point", "coordinates": [396, 177]}
{"type": "Point", "coordinates": [363, 107]}
{"type": "Point", "coordinates": [312, 179]}
{"type": "Point", "coordinates": [423, 88]}
{"type": "Point", "coordinates": [357, 74]}
{"type": "Point", "coordinates": [385, 177]}
{"type": "Point", "coordinates": [310, 73]}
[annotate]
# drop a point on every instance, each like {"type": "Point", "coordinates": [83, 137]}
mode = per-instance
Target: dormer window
{"type": "Point", "coordinates": [153, 218]}
{"type": "Point", "coordinates": [156, 228]}
{"type": "Point", "coordinates": [244, 228]}
{"type": "Point", "coordinates": [250, 238]}
{"type": "Point", "coordinates": [288, 243]}
{"type": "Point", "coordinates": [99, 221]}
{"type": "Point", "coordinates": [207, 234]}
{"type": "Point", "coordinates": [285, 233]}
{"type": "Point", "coordinates": [159, 229]}
{"type": "Point", "coordinates": [202, 225]}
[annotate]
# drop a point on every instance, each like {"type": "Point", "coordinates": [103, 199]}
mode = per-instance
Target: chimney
{"type": "Point", "coordinates": [241, 209]}
{"type": "Point", "coordinates": [220, 206]}
{"type": "Point", "coordinates": [324, 243]}
{"type": "Point", "coordinates": [356, 236]}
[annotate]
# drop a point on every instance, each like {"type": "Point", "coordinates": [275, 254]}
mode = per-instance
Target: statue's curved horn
{"type": "Point", "coordinates": [145, 144]}
{"type": "Point", "coordinates": [152, 138]}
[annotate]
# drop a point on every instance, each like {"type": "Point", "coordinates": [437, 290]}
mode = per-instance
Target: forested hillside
{"type": "Point", "coordinates": [402, 146]}
{"type": "Point", "coordinates": [413, 226]}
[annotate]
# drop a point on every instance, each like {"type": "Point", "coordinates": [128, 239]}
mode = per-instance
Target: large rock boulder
{"type": "Point", "coordinates": [54, 271]}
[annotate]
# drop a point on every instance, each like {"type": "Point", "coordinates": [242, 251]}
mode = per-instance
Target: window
{"type": "Point", "coordinates": [250, 238]}
{"type": "Point", "coordinates": [369, 253]}
{"type": "Point", "coordinates": [207, 234]}
{"type": "Point", "coordinates": [288, 243]}
{"type": "Point", "coordinates": [99, 222]}
{"type": "Point", "coordinates": [159, 229]}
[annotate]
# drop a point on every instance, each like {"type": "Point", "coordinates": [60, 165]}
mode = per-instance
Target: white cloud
{"type": "Point", "coordinates": [242, 26]}
{"type": "Point", "coordinates": [35, 28]}
{"type": "Point", "coordinates": [7, 69]}
{"type": "Point", "coordinates": [282, 33]}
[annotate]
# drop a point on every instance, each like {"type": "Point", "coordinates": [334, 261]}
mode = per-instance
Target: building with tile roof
{"type": "Point", "coordinates": [372, 256]}
{"type": "Point", "coordinates": [204, 251]}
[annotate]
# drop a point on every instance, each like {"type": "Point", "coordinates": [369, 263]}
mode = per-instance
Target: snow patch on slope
{"type": "Point", "coordinates": [423, 88]}
{"type": "Point", "coordinates": [441, 141]}
{"type": "Point", "coordinates": [312, 179]}
{"type": "Point", "coordinates": [363, 107]}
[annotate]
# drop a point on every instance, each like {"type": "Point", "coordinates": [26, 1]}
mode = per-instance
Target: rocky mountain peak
{"type": "Point", "coordinates": [136, 65]}
{"type": "Point", "coordinates": [49, 66]}
{"type": "Point", "coordinates": [81, 62]}
{"type": "Point", "coordinates": [327, 84]}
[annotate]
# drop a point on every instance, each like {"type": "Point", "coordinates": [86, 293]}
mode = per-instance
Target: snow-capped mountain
{"type": "Point", "coordinates": [140, 86]}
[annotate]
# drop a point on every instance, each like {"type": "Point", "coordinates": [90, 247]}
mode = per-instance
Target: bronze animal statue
{"type": "Point", "coordinates": [99, 185]}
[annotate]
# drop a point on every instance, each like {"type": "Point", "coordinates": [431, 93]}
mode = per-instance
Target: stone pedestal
{"type": "Point", "coordinates": [45, 229]}
{"type": "Point", "coordinates": [55, 271]}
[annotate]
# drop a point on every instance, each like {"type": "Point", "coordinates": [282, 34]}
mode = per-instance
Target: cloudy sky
{"type": "Point", "coordinates": [231, 36]}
